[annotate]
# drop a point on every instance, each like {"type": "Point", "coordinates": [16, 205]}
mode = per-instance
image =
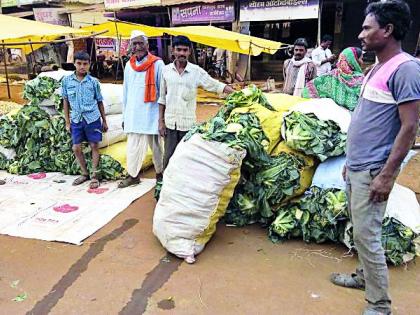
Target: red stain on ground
{"type": "Point", "coordinates": [97, 191]}
{"type": "Point", "coordinates": [37, 175]}
{"type": "Point", "coordinates": [66, 208]}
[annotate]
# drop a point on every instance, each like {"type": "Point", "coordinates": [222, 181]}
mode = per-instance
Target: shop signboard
{"type": "Point", "coordinates": [51, 16]}
{"type": "Point", "coordinates": [269, 10]}
{"type": "Point", "coordinates": [122, 4]}
{"type": "Point", "coordinates": [105, 43]}
{"type": "Point", "coordinates": [203, 13]}
{"type": "Point", "coordinates": [9, 3]}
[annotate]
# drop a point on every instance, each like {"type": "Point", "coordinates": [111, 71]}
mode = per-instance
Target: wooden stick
{"type": "Point", "coordinates": [5, 70]}
{"type": "Point", "coordinates": [119, 46]}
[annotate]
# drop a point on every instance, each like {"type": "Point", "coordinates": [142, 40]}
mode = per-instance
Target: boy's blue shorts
{"type": "Point", "coordinates": [82, 132]}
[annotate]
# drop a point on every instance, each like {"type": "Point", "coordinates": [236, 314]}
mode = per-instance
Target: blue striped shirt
{"type": "Point", "coordinates": [83, 97]}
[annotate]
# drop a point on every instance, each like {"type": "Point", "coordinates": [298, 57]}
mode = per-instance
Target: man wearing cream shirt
{"type": "Point", "coordinates": [178, 93]}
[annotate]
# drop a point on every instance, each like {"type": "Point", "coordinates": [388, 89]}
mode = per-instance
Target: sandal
{"type": "Point", "coordinates": [94, 183]}
{"type": "Point", "coordinates": [80, 180]}
{"type": "Point", "coordinates": [348, 281]}
{"type": "Point", "coordinates": [129, 181]}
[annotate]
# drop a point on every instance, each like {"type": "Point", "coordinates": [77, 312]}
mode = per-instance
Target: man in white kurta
{"type": "Point", "coordinates": [141, 110]}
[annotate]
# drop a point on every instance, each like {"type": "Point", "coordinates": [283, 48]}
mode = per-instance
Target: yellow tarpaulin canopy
{"type": "Point", "coordinates": [207, 35]}
{"type": "Point", "coordinates": [218, 37]}
{"type": "Point", "coordinates": [13, 28]}
{"type": "Point", "coordinates": [122, 29]}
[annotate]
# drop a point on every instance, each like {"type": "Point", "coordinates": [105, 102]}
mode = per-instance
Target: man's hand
{"type": "Point", "coordinates": [380, 188]}
{"type": "Point", "coordinates": [104, 126]}
{"type": "Point", "coordinates": [332, 58]}
{"type": "Point", "coordinates": [162, 128]}
{"type": "Point", "coordinates": [228, 89]}
{"type": "Point", "coordinates": [344, 172]}
{"type": "Point", "coordinates": [68, 128]}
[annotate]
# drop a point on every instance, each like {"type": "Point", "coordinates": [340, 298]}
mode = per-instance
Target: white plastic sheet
{"type": "Point", "coordinates": [46, 210]}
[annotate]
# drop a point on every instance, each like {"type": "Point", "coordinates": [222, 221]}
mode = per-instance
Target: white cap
{"type": "Point", "coordinates": [137, 33]}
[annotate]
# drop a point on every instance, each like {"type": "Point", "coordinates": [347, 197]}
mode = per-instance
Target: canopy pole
{"type": "Point", "coordinates": [5, 71]}
{"type": "Point", "coordinates": [33, 57]}
{"type": "Point", "coordinates": [92, 47]}
{"type": "Point", "coordinates": [119, 46]}
{"type": "Point", "coordinates": [248, 64]}
{"type": "Point", "coordinates": [319, 22]}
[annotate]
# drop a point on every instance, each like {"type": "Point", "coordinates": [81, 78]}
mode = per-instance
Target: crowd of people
{"type": "Point", "coordinates": [160, 103]}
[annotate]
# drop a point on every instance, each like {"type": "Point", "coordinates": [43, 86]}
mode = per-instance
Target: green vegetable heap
{"type": "Point", "coordinates": [397, 241]}
{"type": "Point", "coordinates": [321, 215]}
{"type": "Point", "coordinates": [41, 88]}
{"type": "Point", "coordinates": [265, 181]}
{"type": "Point", "coordinates": [307, 133]}
{"type": "Point", "coordinates": [41, 142]}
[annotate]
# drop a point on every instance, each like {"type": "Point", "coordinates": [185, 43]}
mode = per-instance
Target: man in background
{"type": "Point", "coordinates": [322, 56]}
{"type": "Point", "coordinates": [219, 57]}
{"type": "Point", "coordinates": [298, 70]}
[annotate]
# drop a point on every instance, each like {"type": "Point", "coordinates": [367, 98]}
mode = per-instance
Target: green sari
{"type": "Point", "coordinates": [341, 84]}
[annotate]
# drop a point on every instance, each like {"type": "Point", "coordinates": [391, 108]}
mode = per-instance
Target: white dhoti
{"type": "Point", "coordinates": [137, 145]}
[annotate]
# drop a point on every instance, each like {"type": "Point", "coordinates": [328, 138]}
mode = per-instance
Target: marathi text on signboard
{"type": "Point", "coordinates": [267, 10]}
{"type": "Point", "coordinates": [51, 16]}
{"type": "Point", "coordinates": [202, 13]}
{"type": "Point", "coordinates": [121, 4]}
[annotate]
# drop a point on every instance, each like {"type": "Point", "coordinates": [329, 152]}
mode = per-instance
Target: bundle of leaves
{"type": "Point", "coordinates": [242, 131]}
{"type": "Point", "coordinates": [42, 143]}
{"type": "Point", "coordinates": [397, 241]}
{"type": "Point", "coordinates": [41, 88]}
{"type": "Point", "coordinates": [320, 215]}
{"type": "Point", "coordinates": [287, 224]}
{"type": "Point", "coordinates": [308, 134]}
{"type": "Point", "coordinates": [4, 162]}
{"type": "Point", "coordinates": [246, 97]}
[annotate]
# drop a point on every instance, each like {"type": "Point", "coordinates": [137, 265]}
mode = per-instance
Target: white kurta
{"type": "Point", "coordinates": [140, 117]}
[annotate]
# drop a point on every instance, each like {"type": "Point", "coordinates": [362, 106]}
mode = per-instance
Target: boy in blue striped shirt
{"type": "Point", "coordinates": [83, 110]}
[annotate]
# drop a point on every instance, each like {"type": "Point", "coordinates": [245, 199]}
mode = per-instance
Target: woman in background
{"type": "Point", "coordinates": [341, 84]}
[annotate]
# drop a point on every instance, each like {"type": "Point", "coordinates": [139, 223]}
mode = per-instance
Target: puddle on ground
{"type": "Point", "coordinates": [166, 304]}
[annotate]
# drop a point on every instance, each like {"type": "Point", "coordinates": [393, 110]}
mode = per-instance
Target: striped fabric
{"type": "Point", "coordinates": [178, 92]}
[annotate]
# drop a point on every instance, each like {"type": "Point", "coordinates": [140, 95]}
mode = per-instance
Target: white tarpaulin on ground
{"type": "Point", "coordinates": [48, 210]}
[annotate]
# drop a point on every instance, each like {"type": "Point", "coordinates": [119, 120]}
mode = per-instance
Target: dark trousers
{"type": "Point", "coordinates": [172, 138]}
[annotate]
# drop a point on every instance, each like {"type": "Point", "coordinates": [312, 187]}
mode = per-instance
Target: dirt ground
{"type": "Point", "coordinates": [123, 269]}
